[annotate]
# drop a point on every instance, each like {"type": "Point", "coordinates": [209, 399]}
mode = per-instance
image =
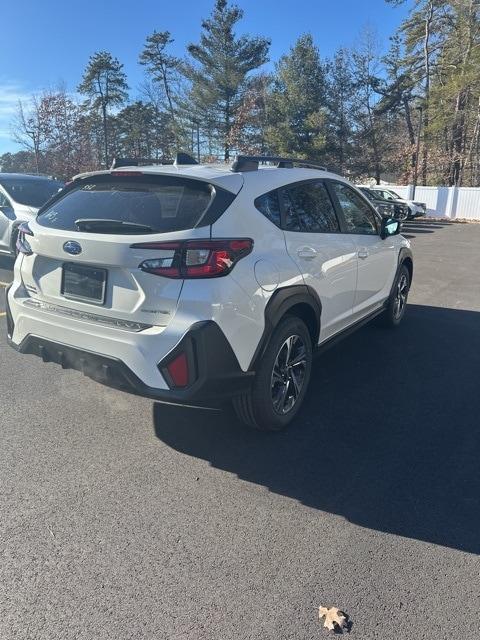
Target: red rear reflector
{"type": "Point", "coordinates": [178, 370]}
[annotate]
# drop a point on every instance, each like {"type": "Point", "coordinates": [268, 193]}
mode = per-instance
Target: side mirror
{"type": "Point", "coordinates": [390, 227]}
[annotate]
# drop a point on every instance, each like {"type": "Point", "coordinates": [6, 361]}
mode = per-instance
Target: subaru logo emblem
{"type": "Point", "coordinates": [72, 247]}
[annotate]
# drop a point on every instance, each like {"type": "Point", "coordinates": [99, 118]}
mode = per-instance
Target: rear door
{"type": "Point", "coordinates": [83, 258]}
{"type": "Point", "coordinates": [377, 259]}
{"type": "Point", "coordinates": [326, 257]}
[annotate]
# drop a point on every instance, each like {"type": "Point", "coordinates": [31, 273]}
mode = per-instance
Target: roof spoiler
{"type": "Point", "coordinates": [180, 159]}
{"type": "Point", "coordinates": [251, 163]}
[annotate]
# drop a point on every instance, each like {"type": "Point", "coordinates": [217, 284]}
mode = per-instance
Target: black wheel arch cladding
{"type": "Point", "coordinates": [303, 301]}
{"type": "Point", "coordinates": [405, 256]}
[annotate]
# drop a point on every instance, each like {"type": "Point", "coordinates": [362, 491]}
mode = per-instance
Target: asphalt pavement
{"type": "Point", "coordinates": [125, 519]}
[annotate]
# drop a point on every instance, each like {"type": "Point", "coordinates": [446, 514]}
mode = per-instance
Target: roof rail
{"type": "Point", "coordinates": [251, 163]}
{"type": "Point", "coordinates": [181, 158]}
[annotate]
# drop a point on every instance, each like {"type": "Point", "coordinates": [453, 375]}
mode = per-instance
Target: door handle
{"type": "Point", "coordinates": [363, 253]}
{"type": "Point", "coordinates": [307, 253]}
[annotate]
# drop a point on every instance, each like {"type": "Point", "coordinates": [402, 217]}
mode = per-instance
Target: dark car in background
{"type": "Point", "coordinates": [415, 209]}
{"type": "Point", "coordinates": [390, 207]}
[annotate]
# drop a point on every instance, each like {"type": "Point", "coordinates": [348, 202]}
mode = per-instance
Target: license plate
{"type": "Point", "coordinates": [80, 282]}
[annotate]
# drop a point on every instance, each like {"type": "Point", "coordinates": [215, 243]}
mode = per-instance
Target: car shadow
{"type": "Point", "coordinates": [413, 227]}
{"type": "Point", "coordinates": [389, 437]}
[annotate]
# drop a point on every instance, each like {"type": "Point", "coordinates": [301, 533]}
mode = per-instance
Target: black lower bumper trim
{"type": "Point", "coordinates": [217, 381]}
{"type": "Point", "coordinates": [10, 324]}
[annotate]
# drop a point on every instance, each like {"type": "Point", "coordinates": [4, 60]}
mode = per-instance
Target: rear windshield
{"type": "Point", "coordinates": [130, 205]}
{"type": "Point", "coordinates": [33, 192]}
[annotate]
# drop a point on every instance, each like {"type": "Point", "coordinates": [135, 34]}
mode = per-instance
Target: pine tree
{"type": "Point", "coordinates": [369, 137]}
{"type": "Point", "coordinates": [399, 96]}
{"type": "Point", "coordinates": [220, 70]}
{"type": "Point", "coordinates": [163, 68]}
{"type": "Point", "coordinates": [296, 109]}
{"type": "Point", "coordinates": [105, 84]}
{"type": "Point", "coordinates": [339, 104]}
{"type": "Point", "coordinates": [423, 35]}
{"type": "Point", "coordinates": [135, 125]}
{"type": "Point", "coordinates": [455, 95]}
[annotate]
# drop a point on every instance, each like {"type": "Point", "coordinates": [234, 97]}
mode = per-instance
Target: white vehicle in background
{"type": "Point", "coordinates": [196, 284]}
{"type": "Point", "coordinates": [21, 196]}
{"type": "Point", "coordinates": [416, 209]}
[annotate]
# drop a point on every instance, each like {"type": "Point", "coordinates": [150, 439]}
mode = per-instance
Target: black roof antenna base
{"type": "Point", "coordinates": [184, 158]}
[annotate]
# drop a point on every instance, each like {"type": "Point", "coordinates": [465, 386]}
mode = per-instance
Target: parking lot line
{"type": "Point", "coordinates": [3, 313]}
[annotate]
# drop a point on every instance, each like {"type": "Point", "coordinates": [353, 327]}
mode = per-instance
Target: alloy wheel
{"type": "Point", "coordinates": [400, 296]}
{"type": "Point", "coordinates": [288, 375]}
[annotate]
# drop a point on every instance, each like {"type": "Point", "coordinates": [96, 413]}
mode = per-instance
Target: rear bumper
{"type": "Point", "coordinates": [215, 372]}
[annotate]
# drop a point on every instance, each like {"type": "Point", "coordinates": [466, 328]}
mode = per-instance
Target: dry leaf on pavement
{"type": "Point", "coordinates": [333, 618]}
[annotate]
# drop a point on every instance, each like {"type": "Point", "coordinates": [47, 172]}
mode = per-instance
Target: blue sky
{"type": "Point", "coordinates": [45, 42]}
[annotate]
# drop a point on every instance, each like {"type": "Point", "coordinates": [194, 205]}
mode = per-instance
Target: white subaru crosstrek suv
{"type": "Point", "coordinates": [196, 284]}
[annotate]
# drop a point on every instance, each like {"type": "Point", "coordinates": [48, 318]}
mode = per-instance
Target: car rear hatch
{"type": "Point", "coordinates": [83, 261]}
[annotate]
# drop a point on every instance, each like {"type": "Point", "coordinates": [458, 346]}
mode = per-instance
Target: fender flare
{"type": "Point", "coordinates": [278, 305]}
{"type": "Point", "coordinates": [404, 254]}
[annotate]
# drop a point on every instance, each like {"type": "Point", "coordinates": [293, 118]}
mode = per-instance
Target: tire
{"type": "Point", "coordinates": [394, 313]}
{"type": "Point", "coordinates": [266, 406]}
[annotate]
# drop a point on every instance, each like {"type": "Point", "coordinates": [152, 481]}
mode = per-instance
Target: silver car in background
{"type": "Point", "coordinates": [21, 196]}
{"type": "Point", "coordinates": [415, 209]}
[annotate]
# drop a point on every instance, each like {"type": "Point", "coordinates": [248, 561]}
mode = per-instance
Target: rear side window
{"type": "Point", "coordinates": [133, 205]}
{"type": "Point", "coordinates": [359, 217]}
{"type": "Point", "coordinates": [308, 208]}
{"type": "Point", "coordinates": [268, 205]}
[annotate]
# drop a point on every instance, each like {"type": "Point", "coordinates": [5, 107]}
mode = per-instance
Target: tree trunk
{"type": "Point", "coordinates": [411, 135]}
{"type": "Point", "coordinates": [341, 150]}
{"type": "Point", "coordinates": [426, 58]}
{"type": "Point", "coordinates": [170, 102]}
{"type": "Point", "coordinates": [373, 140]}
{"type": "Point", "coordinates": [226, 146]}
{"type": "Point", "coordinates": [473, 145]}
{"type": "Point", "coordinates": [105, 133]}
{"type": "Point", "coordinates": [457, 138]}
{"type": "Point", "coordinates": [459, 122]}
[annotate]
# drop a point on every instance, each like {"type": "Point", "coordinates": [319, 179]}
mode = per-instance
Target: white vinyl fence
{"type": "Point", "coordinates": [448, 202]}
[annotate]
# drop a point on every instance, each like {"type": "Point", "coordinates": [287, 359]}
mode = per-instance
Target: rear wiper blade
{"type": "Point", "coordinates": [95, 225]}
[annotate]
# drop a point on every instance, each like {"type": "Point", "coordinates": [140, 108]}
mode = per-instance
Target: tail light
{"type": "Point", "coordinates": [23, 246]}
{"type": "Point", "coordinates": [196, 258]}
